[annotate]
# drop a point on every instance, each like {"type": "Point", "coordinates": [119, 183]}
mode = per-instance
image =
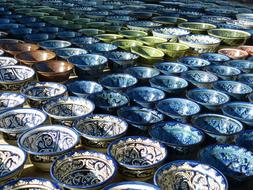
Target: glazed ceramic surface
{"type": "Point", "coordinates": [215, 58]}
{"type": "Point", "coordinates": [134, 185]}
{"type": "Point", "coordinates": [170, 34]}
{"type": "Point", "coordinates": [65, 53]}
{"type": "Point", "coordinates": [7, 61]}
{"type": "Point", "coordinates": [194, 62]}
{"type": "Point", "coordinates": [9, 100]}
{"type": "Point", "coordinates": [171, 68]}
{"type": "Point", "coordinates": [54, 44]}
{"type": "Point", "coordinates": [224, 72]}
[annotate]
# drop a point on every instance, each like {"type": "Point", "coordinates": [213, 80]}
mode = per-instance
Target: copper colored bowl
{"type": "Point", "coordinates": [234, 53]}
{"type": "Point", "coordinates": [15, 49]}
{"type": "Point", "coordinates": [249, 49]}
{"type": "Point", "coordinates": [32, 57]}
{"type": "Point", "coordinates": [54, 70]}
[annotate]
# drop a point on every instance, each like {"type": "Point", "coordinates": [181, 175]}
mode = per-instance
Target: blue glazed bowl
{"type": "Point", "coordinates": [244, 65]}
{"type": "Point", "coordinates": [246, 79]}
{"type": "Point", "coordinates": [84, 41]}
{"type": "Point", "coordinates": [3, 34]}
{"type": "Point", "coordinates": [10, 100]}
{"type": "Point", "coordinates": [64, 35]}
{"type": "Point", "coordinates": [19, 32]}
{"type": "Point", "coordinates": [84, 88]}
{"type": "Point", "coordinates": [171, 34]}
{"type": "Point", "coordinates": [101, 48]}
{"type": "Point", "coordinates": [145, 96]}
{"type": "Point", "coordinates": [138, 157]}
{"type": "Point", "coordinates": [5, 20]}
{"type": "Point", "coordinates": [133, 185]}
{"type": "Point", "coordinates": [27, 20]}
{"type": "Point", "coordinates": [169, 84]}
{"type": "Point", "coordinates": [211, 99]}
{"type": "Point", "coordinates": [233, 161]}
{"type": "Point", "coordinates": [64, 172]}
{"type": "Point", "coordinates": [12, 161]}
{"type": "Point", "coordinates": [178, 108]}
{"type": "Point", "coordinates": [7, 61]}
{"type": "Point", "coordinates": [194, 62]}
{"type": "Point", "coordinates": [118, 82]}
{"type": "Point", "coordinates": [215, 58]}
{"type": "Point", "coordinates": [36, 25]}
{"type": "Point", "coordinates": [9, 26]}
{"type": "Point", "coordinates": [224, 72]}
{"type": "Point", "coordinates": [180, 137]}
{"type": "Point", "coordinates": [171, 68]}
{"type": "Point", "coordinates": [38, 37]}
{"type": "Point", "coordinates": [66, 53]}
{"type": "Point", "coordinates": [54, 44]}
{"type": "Point", "coordinates": [143, 25]}
{"type": "Point", "coordinates": [46, 143]}
{"type": "Point", "coordinates": [235, 89]}
{"type": "Point", "coordinates": [245, 139]}
{"type": "Point", "coordinates": [50, 29]}
{"type": "Point", "coordinates": [221, 128]}
{"type": "Point", "coordinates": [175, 175]}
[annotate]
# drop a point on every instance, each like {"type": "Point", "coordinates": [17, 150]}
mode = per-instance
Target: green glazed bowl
{"type": "Point", "coordinates": [173, 50]}
{"type": "Point", "coordinates": [230, 37]}
{"type": "Point", "coordinates": [151, 40]}
{"type": "Point", "coordinates": [58, 13]}
{"type": "Point", "coordinates": [73, 26]}
{"type": "Point", "coordinates": [50, 18]}
{"type": "Point", "coordinates": [37, 14]}
{"type": "Point", "coordinates": [71, 16]}
{"type": "Point", "coordinates": [196, 27]}
{"type": "Point", "coordinates": [47, 10]}
{"type": "Point", "coordinates": [82, 21]}
{"type": "Point", "coordinates": [23, 10]}
{"type": "Point", "coordinates": [133, 34]}
{"type": "Point", "coordinates": [113, 29]}
{"type": "Point", "coordinates": [126, 44]}
{"type": "Point", "coordinates": [98, 25]}
{"type": "Point", "coordinates": [147, 52]}
{"type": "Point", "coordinates": [108, 37]}
{"type": "Point", "coordinates": [91, 31]}
{"type": "Point", "coordinates": [169, 21]}
{"type": "Point", "coordinates": [59, 23]}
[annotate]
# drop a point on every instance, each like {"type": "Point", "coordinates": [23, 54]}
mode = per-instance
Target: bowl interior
{"type": "Point", "coordinates": [36, 56]}
{"type": "Point", "coordinates": [55, 44]}
{"type": "Point", "coordinates": [16, 73]}
{"type": "Point", "coordinates": [194, 61]}
{"type": "Point", "coordinates": [171, 67]}
{"type": "Point", "coordinates": [199, 76]}
{"type": "Point", "coordinates": [67, 52]}
{"type": "Point", "coordinates": [19, 47]}
{"type": "Point", "coordinates": [10, 100]}
{"type": "Point", "coordinates": [84, 87]}
{"type": "Point", "coordinates": [118, 80]}
{"type": "Point", "coordinates": [239, 110]}
{"type": "Point", "coordinates": [54, 66]}
{"type": "Point", "coordinates": [233, 87]}
{"type": "Point", "coordinates": [88, 60]}
{"type": "Point", "coordinates": [227, 33]}
{"type": "Point", "coordinates": [168, 82]}
{"type": "Point", "coordinates": [142, 72]}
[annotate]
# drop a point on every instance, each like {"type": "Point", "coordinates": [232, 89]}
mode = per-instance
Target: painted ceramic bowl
{"type": "Point", "coordinates": [38, 37]}
{"type": "Point", "coordinates": [134, 185]}
{"type": "Point", "coordinates": [46, 143]}
{"type": "Point", "coordinates": [143, 25]}
{"type": "Point", "coordinates": [215, 58]}
{"type": "Point", "coordinates": [107, 38]}
{"type": "Point", "coordinates": [9, 26]}
{"type": "Point", "coordinates": [36, 25]}
{"type": "Point", "coordinates": [175, 175]}
{"type": "Point", "coordinates": [167, 20]}
{"type": "Point", "coordinates": [19, 32]}
{"type": "Point", "coordinates": [65, 110]}
{"type": "Point", "coordinates": [54, 44]}
{"type": "Point", "coordinates": [224, 72]}
{"type": "Point", "coordinates": [3, 34]}
{"type": "Point", "coordinates": [84, 88]}
{"type": "Point", "coordinates": [9, 41]}
{"type": "Point", "coordinates": [126, 44]}
{"type": "Point", "coordinates": [151, 40]}
{"type": "Point", "coordinates": [14, 77]}
{"type": "Point", "coordinates": [15, 49]}
{"type": "Point", "coordinates": [171, 34]}
{"type": "Point", "coordinates": [220, 128]}
{"type": "Point", "coordinates": [173, 50]}
{"type": "Point", "coordinates": [143, 74]}
{"type": "Point", "coordinates": [149, 54]}
{"type": "Point", "coordinates": [67, 35]}
{"type": "Point", "coordinates": [245, 139]}
{"type": "Point", "coordinates": [30, 183]}
{"type": "Point", "coordinates": [235, 89]}
{"type": "Point", "coordinates": [234, 53]}
{"type": "Point", "coordinates": [178, 108]}
{"type": "Point", "coordinates": [230, 37]}
{"type": "Point", "coordinates": [245, 16]}
{"type": "Point", "coordinates": [249, 49]}
{"type": "Point", "coordinates": [119, 19]}
{"type": "Point", "coordinates": [64, 172]}
{"type": "Point", "coordinates": [39, 92]}
{"type": "Point", "coordinates": [246, 79]}
{"type": "Point", "coordinates": [200, 43]}
{"type": "Point", "coordinates": [7, 61]}
{"type": "Point", "coordinates": [171, 68]}
{"type": "Point", "coordinates": [101, 48]}
{"type": "Point", "coordinates": [133, 34]}
{"type": "Point", "coordinates": [194, 62]}
{"type": "Point", "coordinates": [84, 41]}
{"type": "Point", "coordinates": [99, 130]}
{"type": "Point", "coordinates": [91, 31]}
{"type": "Point", "coordinates": [66, 53]}
{"type": "Point", "coordinates": [12, 162]}
{"type": "Point", "coordinates": [149, 155]}
{"type": "Point", "coordinates": [244, 65]}
{"type": "Point", "coordinates": [230, 160]}
{"type": "Point", "coordinates": [50, 29]}
{"type": "Point", "coordinates": [196, 27]}
{"type": "Point", "coordinates": [10, 100]}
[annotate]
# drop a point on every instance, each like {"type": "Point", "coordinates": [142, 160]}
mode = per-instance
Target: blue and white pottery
{"type": "Point", "coordinates": [244, 65]}
{"type": "Point", "coordinates": [171, 34]}
{"type": "Point", "coordinates": [79, 170]}
{"type": "Point", "coordinates": [12, 78]}
{"type": "Point", "coordinates": [54, 44]}
{"type": "Point", "coordinates": [141, 118]}
{"type": "Point", "coordinates": [215, 58]}
{"type": "Point", "coordinates": [178, 108]}
{"type": "Point", "coordinates": [12, 161]}
{"type": "Point", "coordinates": [84, 88]}
{"type": "Point", "coordinates": [246, 78]}
{"type": "Point", "coordinates": [169, 84]}
{"type": "Point", "coordinates": [194, 62]}
{"type": "Point", "coordinates": [145, 96]}
{"type": "Point", "coordinates": [99, 130]}
{"type": "Point", "coordinates": [65, 110]}
{"type": "Point", "coordinates": [138, 157]}
{"type": "Point", "coordinates": [143, 25]}
{"type": "Point", "coordinates": [180, 137]}
{"type": "Point", "coordinates": [133, 185]}
{"type": "Point", "coordinates": [211, 99]}
{"type": "Point", "coordinates": [30, 183]}
{"type": "Point", "coordinates": [19, 32]}
{"type": "Point", "coordinates": [233, 161]}
{"type": "Point", "coordinates": [5, 20]}
{"type": "Point", "coordinates": [66, 53]}
{"type": "Point", "coordinates": [7, 61]}
{"type": "Point", "coordinates": [181, 174]}
{"type": "Point", "coordinates": [38, 37]}
{"type": "Point", "coordinates": [50, 29]}
{"type": "Point", "coordinates": [235, 89]}
{"type": "Point", "coordinates": [242, 111]}
{"type": "Point", "coordinates": [46, 143]}
{"type": "Point", "coordinates": [120, 19]}
{"type": "Point", "coordinates": [171, 68]}
{"type": "Point", "coordinates": [84, 41]}
{"type": "Point", "coordinates": [245, 139]}
{"type": "Point", "coordinates": [118, 82]}
{"type": "Point", "coordinates": [224, 72]}
{"type": "Point", "coordinates": [221, 128]}
{"type": "Point", "coordinates": [27, 20]}
{"type": "Point", "coordinates": [101, 48]}
{"type": "Point", "coordinates": [9, 26]}
{"type": "Point", "coordinates": [10, 100]}
{"type": "Point", "coordinates": [67, 35]}
{"type": "Point", "coordinates": [245, 16]}
{"type": "Point", "coordinates": [36, 25]}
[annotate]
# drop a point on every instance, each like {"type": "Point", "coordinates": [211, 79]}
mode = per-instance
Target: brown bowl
{"type": "Point", "coordinates": [32, 57]}
{"type": "Point", "coordinates": [234, 53]}
{"type": "Point", "coordinates": [249, 49]}
{"type": "Point", "coordinates": [15, 49]}
{"type": "Point", "coordinates": [53, 70]}
{"type": "Point", "coordinates": [9, 41]}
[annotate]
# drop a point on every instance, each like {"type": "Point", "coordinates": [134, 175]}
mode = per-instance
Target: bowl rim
{"type": "Point", "coordinates": [8, 57]}
{"type": "Point", "coordinates": [247, 34]}
{"type": "Point", "coordinates": [209, 68]}
{"type": "Point", "coordinates": [136, 49]}
{"type": "Point", "coordinates": [185, 41]}
{"type": "Point", "coordinates": [113, 185]}
{"type": "Point", "coordinates": [168, 77]}
{"type": "Point", "coordinates": [42, 44]}
{"type": "Point", "coordinates": [240, 136]}
{"type": "Point", "coordinates": [70, 87]}
{"type": "Point", "coordinates": [181, 25]}
{"type": "Point", "coordinates": [184, 75]}
{"type": "Point", "coordinates": [171, 63]}
{"type": "Point", "coordinates": [53, 72]}
{"type": "Point", "coordinates": [184, 60]}
{"type": "Point", "coordinates": [31, 52]}
{"type": "Point", "coordinates": [129, 69]}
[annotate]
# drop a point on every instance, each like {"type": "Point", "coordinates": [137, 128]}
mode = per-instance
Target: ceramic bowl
{"type": "Point", "coordinates": [15, 49]}
{"type": "Point", "coordinates": [54, 44]}
{"type": "Point", "coordinates": [220, 128]}
{"type": "Point", "coordinates": [101, 48]}
{"type": "Point", "coordinates": [171, 68]}
{"type": "Point", "coordinates": [196, 27]}
{"type": "Point", "coordinates": [134, 185]}
{"type": "Point", "coordinates": [107, 38]}
{"type": "Point", "coordinates": [224, 72]}
{"type": "Point", "coordinates": [9, 26]}
{"type": "Point", "coordinates": [171, 34]}
{"type": "Point", "coordinates": [139, 165]}
{"type": "Point", "coordinates": [19, 32]}
{"type": "Point", "coordinates": [245, 16]}
{"type": "Point", "coordinates": [173, 50]}
{"type": "Point", "coordinates": [175, 175]}
{"type": "Point", "coordinates": [119, 19]}
{"type": "Point", "coordinates": [141, 14]}
{"type": "Point", "coordinates": [14, 77]}
{"type": "Point", "coordinates": [234, 53]}
{"type": "Point", "coordinates": [215, 58]}
{"type": "Point", "coordinates": [151, 40]}
{"type": "Point", "coordinates": [30, 182]}
{"type": "Point", "coordinates": [7, 61]}
{"type": "Point", "coordinates": [50, 29]}
{"type": "Point", "coordinates": [67, 35]}
{"type": "Point", "coordinates": [149, 54]}
{"type": "Point", "coordinates": [109, 100]}
{"type": "Point", "coordinates": [12, 162]}
{"type": "Point", "coordinates": [244, 65]}
{"type": "Point", "coordinates": [244, 139]}
{"type": "Point", "coordinates": [36, 25]}
{"type": "Point", "coordinates": [179, 137]}
{"type": "Point", "coordinates": [235, 89]}
{"type": "Point", "coordinates": [99, 130]}
{"type": "Point", "coordinates": [194, 62]}
{"type": "Point", "coordinates": [9, 41]}
{"type": "Point", "coordinates": [10, 100]}
{"type": "Point", "coordinates": [32, 57]}
{"type": "Point", "coordinates": [66, 53]}
{"type": "Point", "coordinates": [133, 34]}
{"type": "Point", "coordinates": [84, 88]}
{"type": "Point", "coordinates": [126, 44]}
{"type": "Point", "coordinates": [169, 21]}
{"type": "Point", "coordinates": [248, 49]}
{"type": "Point", "coordinates": [38, 37]}
{"type": "Point", "coordinates": [230, 160]}
{"type": "Point", "coordinates": [46, 143]}
{"type": "Point", "coordinates": [246, 79]}
{"type": "Point", "coordinates": [230, 37]}
{"type": "Point", "coordinates": [84, 41]}
{"type": "Point", "coordinates": [65, 110]}
{"type": "Point", "coordinates": [200, 43]}
{"type": "Point", "coordinates": [91, 31]}
{"type": "Point", "coordinates": [143, 25]}
{"type": "Point", "coordinates": [178, 108]}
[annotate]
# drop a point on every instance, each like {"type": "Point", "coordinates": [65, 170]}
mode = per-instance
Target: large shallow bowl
{"type": "Point", "coordinates": [133, 185]}
{"type": "Point", "coordinates": [167, 20]}
{"type": "Point", "coordinates": [215, 58]}
{"type": "Point", "coordinates": [245, 139]}
{"type": "Point", "coordinates": [173, 50]}
{"type": "Point", "coordinates": [65, 35]}
{"type": "Point", "coordinates": [244, 65]}
{"type": "Point", "coordinates": [84, 41]}
{"type": "Point", "coordinates": [149, 54]}
{"type": "Point", "coordinates": [64, 172]}
{"type": "Point", "coordinates": [171, 34]}
{"type": "Point", "coordinates": [126, 44]}
{"type": "Point", "coordinates": [151, 40]}
{"type": "Point", "coordinates": [66, 53]}
{"type": "Point", "coordinates": [54, 44]}
{"type": "Point", "coordinates": [246, 78]}
{"type": "Point", "coordinates": [234, 53]}
{"type": "Point", "coordinates": [38, 37]}
{"type": "Point", "coordinates": [196, 27]}
{"type": "Point", "coordinates": [133, 34]}
{"type": "Point", "coordinates": [14, 49]}
{"type": "Point", "coordinates": [249, 49]}
{"type": "Point", "coordinates": [148, 156]}
{"type": "Point", "coordinates": [194, 62]}
{"type": "Point", "coordinates": [9, 100]}
{"type": "Point", "coordinates": [143, 25]}
{"type": "Point", "coordinates": [175, 175]}
{"type": "Point", "coordinates": [171, 68]}
{"type": "Point", "coordinates": [101, 48]}
{"type": "Point", "coordinates": [7, 61]}
{"type": "Point", "coordinates": [107, 38]}
{"type": "Point", "coordinates": [224, 72]}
